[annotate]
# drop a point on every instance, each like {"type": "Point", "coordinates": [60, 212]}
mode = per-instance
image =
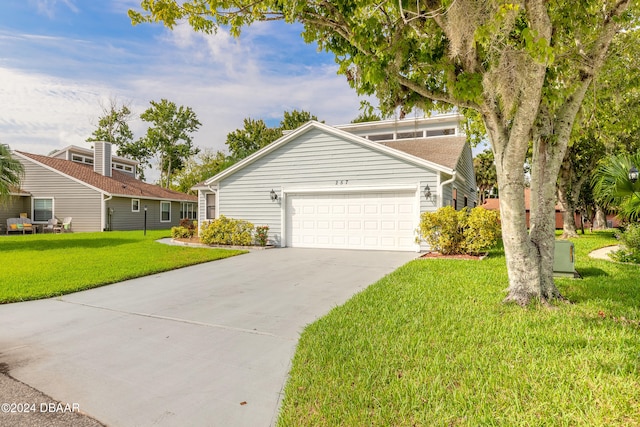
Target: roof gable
{"type": "Point", "coordinates": [119, 184]}
{"type": "Point", "coordinates": [415, 156]}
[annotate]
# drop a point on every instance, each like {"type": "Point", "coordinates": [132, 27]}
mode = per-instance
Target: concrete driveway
{"type": "Point", "coordinates": [208, 345]}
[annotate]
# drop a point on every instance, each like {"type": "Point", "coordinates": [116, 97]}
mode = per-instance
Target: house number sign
{"type": "Point", "coordinates": [342, 181]}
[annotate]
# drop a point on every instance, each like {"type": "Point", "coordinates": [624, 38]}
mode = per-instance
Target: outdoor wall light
{"type": "Point", "coordinates": [428, 195]}
{"type": "Point", "coordinates": [274, 195]}
{"type": "Point", "coordinates": [633, 174]}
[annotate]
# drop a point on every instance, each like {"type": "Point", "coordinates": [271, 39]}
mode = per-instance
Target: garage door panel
{"type": "Point", "coordinates": [352, 221]}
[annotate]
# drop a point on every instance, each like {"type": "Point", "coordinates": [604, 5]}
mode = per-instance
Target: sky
{"type": "Point", "coordinates": [62, 62]}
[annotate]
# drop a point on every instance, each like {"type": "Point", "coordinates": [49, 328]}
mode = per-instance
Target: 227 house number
{"type": "Point", "coordinates": [342, 181]}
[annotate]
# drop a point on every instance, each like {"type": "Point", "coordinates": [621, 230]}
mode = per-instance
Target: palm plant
{"type": "Point", "coordinates": [614, 188]}
{"type": "Point", "coordinates": [11, 171]}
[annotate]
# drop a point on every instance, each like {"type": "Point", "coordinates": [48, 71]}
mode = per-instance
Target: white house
{"type": "Point", "coordinates": [355, 186]}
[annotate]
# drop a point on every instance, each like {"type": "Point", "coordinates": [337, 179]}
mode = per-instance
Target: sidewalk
{"type": "Point", "coordinates": [603, 253]}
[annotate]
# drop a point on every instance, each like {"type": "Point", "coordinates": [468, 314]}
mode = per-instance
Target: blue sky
{"type": "Point", "coordinates": [62, 61]}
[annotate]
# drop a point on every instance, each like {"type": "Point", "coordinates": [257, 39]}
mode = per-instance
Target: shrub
{"type": "Point", "coordinates": [186, 229]}
{"type": "Point", "coordinates": [630, 239]}
{"type": "Point", "coordinates": [181, 232]}
{"type": "Point", "coordinates": [262, 235]}
{"type": "Point", "coordinates": [482, 231]}
{"type": "Point", "coordinates": [469, 231]}
{"type": "Point", "coordinates": [227, 231]}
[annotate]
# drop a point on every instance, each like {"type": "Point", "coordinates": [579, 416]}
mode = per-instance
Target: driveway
{"type": "Point", "coordinates": [208, 345]}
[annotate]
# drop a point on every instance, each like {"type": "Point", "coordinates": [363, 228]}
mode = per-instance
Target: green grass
{"type": "Point", "coordinates": [432, 344]}
{"type": "Point", "coordinates": [47, 265]}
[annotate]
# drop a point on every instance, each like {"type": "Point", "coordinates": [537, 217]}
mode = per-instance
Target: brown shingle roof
{"type": "Point", "coordinates": [445, 151]}
{"type": "Point", "coordinates": [119, 184]}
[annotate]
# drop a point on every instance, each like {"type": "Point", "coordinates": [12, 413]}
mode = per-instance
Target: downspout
{"type": "Point", "coordinates": [104, 211]}
{"type": "Point", "coordinates": [442, 184]}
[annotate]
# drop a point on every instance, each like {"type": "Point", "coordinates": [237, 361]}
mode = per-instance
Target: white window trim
{"type": "Point", "coordinates": [188, 208]}
{"type": "Point", "coordinates": [161, 203]}
{"type": "Point", "coordinates": [33, 208]}
{"type": "Point", "coordinates": [132, 207]}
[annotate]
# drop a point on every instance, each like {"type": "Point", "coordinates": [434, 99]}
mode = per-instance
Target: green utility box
{"type": "Point", "coordinates": [564, 259]}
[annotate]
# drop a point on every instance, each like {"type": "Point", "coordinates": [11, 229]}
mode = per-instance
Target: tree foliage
{"type": "Point", "coordinates": [169, 137]}
{"type": "Point", "coordinates": [113, 125]}
{"type": "Point", "coordinates": [11, 172]}
{"type": "Point", "coordinates": [612, 184]}
{"type": "Point", "coordinates": [523, 66]}
{"type": "Point", "coordinates": [253, 136]}
{"type": "Point", "coordinates": [256, 134]}
{"type": "Point", "coordinates": [199, 168]}
{"type": "Point", "coordinates": [485, 170]}
{"type": "Point", "coordinates": [608, 124]}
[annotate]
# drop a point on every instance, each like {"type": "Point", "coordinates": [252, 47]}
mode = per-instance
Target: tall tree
{"type": "Point", "coordinates": [113, 127]}
{"type": "Point", "coordinates": [524, 66]}
{"type": "Point", "coordinates": [608, 124]}
{"type": "Point", "coordinates": [201, 167]}
{"type": "Point", "coordinates": [485, 170]}
{"type": "Point", "coordinates": [294, 119]}
{"type": "Point", "coordinates": [169, 136]}
{"type": "Point", "coordinates": [256, 134]}
{"type": "Point", "coordinates": [11, 171]}
{"type": "Point", "coordinates": [253, 136]}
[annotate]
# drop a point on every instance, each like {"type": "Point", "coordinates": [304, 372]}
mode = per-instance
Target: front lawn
{"type": "Point", "coordinates": [433, 345]}
{"type": "Point", "coordinates": [47, 265]}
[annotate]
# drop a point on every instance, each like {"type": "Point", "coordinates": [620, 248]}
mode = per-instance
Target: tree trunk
{"type": "Point", "coordinates": [565, 200]}
{"type": "Point", "coordinates": [600, 220]}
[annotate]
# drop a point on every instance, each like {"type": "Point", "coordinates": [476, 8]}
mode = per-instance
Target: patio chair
{"type": "Point", "coordinates": [53, 226]}
{"type": "Point", "coordinates": [66, 224]}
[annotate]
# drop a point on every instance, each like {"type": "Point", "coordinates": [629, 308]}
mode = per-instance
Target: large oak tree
{"type": "Point", "coordinates": [524, 66]}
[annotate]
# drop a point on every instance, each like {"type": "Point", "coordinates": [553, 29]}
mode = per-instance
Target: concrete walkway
{"type": "Point", "coordinates": [603, 253]}
{"type": "Point", "coordinates": [208, 345]}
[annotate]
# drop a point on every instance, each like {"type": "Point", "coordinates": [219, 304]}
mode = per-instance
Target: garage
{"type": "Point", "coordinates": [359, 220]}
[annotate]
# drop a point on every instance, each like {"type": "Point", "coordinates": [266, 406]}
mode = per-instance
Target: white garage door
{"type": "Point", "coordinates": [382, 221]}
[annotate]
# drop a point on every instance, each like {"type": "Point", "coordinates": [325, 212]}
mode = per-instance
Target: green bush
{"type": "Point", "coordinates": [262, 235]}
{"type": "Point", "coordinates": [630, 239]}
{"type": "Point", "coordinates": [482, 231]}
{"type": "Point", "coordinates": [469, 231]}
{"type": "Point", "coordinates": [182, 232]}
{"type": "Point", "coordinates": [227, 231]}
{"type": "Point", "coordinates": [185, 230]}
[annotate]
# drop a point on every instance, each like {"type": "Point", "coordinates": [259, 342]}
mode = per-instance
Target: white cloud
{"type": "Point", "coordinates": [48, 7]}
{"type": "Point", "coordinates": [222, 78]}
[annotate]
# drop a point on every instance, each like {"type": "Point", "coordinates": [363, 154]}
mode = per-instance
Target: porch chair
{"type": "Point", "coordinates": [53, 226]}
{"type": "Point", "coordinates": [66, 224]}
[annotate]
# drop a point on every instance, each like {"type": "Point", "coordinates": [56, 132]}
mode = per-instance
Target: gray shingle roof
{"type": "Point", "coordinates": [445, 151]}
{"type": "Point", "coordinates": [119, 184]}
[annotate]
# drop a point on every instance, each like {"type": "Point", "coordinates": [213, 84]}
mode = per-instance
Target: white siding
{"type": "Point", "coordinates": [314, 160]}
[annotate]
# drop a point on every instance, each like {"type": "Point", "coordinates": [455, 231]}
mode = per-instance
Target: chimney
{"type": "Point", "coordinates": [102, 158]}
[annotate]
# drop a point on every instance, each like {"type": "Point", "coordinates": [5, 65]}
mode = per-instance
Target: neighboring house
{"type": "Point", "coordinates": [356, 186]}
{"type": "Point", "coordinates": [493, 204]}
{"type": "Point", "coordinates": [98, 190]}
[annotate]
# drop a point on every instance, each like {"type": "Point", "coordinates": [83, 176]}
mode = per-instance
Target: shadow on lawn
{"type": "Point", "coordinates": [61, 244]}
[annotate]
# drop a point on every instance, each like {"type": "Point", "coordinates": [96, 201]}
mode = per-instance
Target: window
{"type": "Point", "coordinates": [455, 199]}
{"type": "Point", "coordinates": [441, 132]}
{"type": "Point", "coordinates": [165, 211]}
{"type": "Point", "coordinates": [211, 206]}
{"type": "Point", "coordinates": [42, 209]}
{"type": "Point", "coordinates": [187, 210]}
{"type": "Point", "coordinates": [135, 205]}
{"type": "Point", "coordinates": [407, 135]}
{"type": "Point", "coordinates": [381, 137]}
{"type": "Point", "coordinates": [466, 201]}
